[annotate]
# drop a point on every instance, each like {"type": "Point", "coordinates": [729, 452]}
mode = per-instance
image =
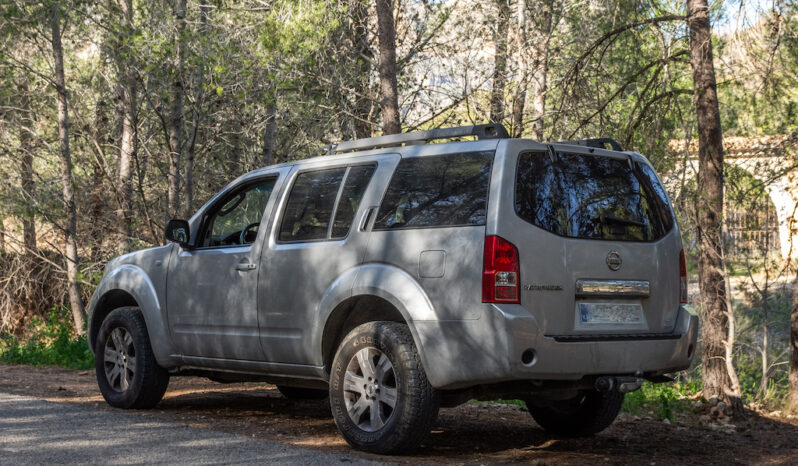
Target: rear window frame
{"type": "Point", "coordinates": [492, 152]}
{"type": "Point", "coordinates": [619, 157]}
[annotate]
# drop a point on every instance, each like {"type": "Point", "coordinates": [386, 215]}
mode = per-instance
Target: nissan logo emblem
{"type": "Point", "coordinates": [614, 260]}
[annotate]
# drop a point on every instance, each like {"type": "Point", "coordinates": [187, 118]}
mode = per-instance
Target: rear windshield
{"type": "Point", "coordinates": [589, 196]}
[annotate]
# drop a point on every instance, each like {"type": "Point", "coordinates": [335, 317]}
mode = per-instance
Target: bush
{"type": "Point", "coordinates": [661, 400]}
{"type": "Point", "coordinates": [49, 342]}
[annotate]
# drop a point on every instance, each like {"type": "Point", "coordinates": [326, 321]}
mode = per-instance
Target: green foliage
{"type": "Point", "coordinates": [661, 400]}
{"type": "Point", "coordinates": [50, 342]}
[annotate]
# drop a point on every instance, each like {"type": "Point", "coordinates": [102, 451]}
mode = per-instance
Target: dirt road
{"type": "Point", "coordinates": [470, 434]}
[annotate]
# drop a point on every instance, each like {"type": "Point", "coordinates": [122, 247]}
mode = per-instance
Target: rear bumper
{"type": "Point", "coordinates": [463, 353]}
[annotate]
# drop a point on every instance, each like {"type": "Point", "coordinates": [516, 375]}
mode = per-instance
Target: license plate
{"type": "Point", "coordinates": [610, 313]}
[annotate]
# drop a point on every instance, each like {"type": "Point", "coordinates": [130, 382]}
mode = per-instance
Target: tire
{"type": "Point", "coordinates": [123, 339]}
{"type": "Point", "coordinates": [300, 393]}
{"type": "Point", "coordinates": [389, 356]}
{"type": "Point", "coordinates": [587, 414]}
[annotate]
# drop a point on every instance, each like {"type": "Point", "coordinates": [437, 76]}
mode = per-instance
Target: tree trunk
{"type": "Point", "coordinates": [520, 45]}
{"type": "Point", "coordinates": [176, 126]}
{"type": "Point", "coordinates": [389, 96]}
{"type": "Point", "coordinates": [192, 147]}
{"type": "Point", "coordinates": [26, 167]}
{"type": "Point", "coordinates": [128, 144]}
{"type": "Point", "coordinates": [70, 228]}
{"type": "Point", "coordinates": [358, 13]}
{"type": "Point", "coordinates": [499, 78]}
{"type": "Point", "coordinates": [715, 315]}
{"type": "Point", "coordinates": [794, 347]}
{"type": "Point", "coordinates": [540, 64]}
{"type": "Point", "coordinates": [271, 126]}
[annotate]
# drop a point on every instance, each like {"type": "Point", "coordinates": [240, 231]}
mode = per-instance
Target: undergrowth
{"type": "Point", "coordinates": [661, 400]}
{"type": "Point", "coordinates": [49, 341]}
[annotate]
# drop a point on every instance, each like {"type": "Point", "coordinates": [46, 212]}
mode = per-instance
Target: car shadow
{"type": "Point", "coordinates": [498, 433]}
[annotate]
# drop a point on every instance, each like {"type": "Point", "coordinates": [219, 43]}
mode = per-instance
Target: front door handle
{"type": "Point", "coordinates": [246, 267]}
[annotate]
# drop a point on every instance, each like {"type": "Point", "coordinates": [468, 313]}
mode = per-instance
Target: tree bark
{"type": "Point", "coordinates": [794, 347]}
{"type": "Point", "coordinates": [520, 45]}
{"type": "Point", "coordinates": [176, 126]}
{"type": "Point", "coordinates": [389, 96]}
{"type": "Point", "coordinates": [716, 317]}
{"type": "Point", "coordinates": [70, 228]}
{"type": "Point", "coordinates": [271, 126]}
{"type": "Point", "coordinates": [26, 167]}
{"type": "Point", "coordinates": [540, 65]}
{"type": "Point", "coordinates": [499, 78]}
{"type": "Point", "coordinates": [128, 144]}
{"type": "Point", "coordinates": [199, 85]}
{"type": "Point", "coordinates": [358, 13]}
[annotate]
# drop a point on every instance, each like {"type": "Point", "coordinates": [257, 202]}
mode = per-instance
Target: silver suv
{"type": "Point", "coordinates": [397, 276]}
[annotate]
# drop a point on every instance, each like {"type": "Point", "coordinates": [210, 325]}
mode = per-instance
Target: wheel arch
{"type": "Point", "coordinates": [129, 285]}
{"type": "Point", "coordinates": [378, 292]}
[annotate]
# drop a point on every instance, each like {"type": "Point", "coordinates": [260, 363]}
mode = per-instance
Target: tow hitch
{"type": "Point", "coordinates": [624, 384]}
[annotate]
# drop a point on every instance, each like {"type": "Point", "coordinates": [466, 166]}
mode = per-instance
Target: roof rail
{"type": "Point", "coordinates": [600, 143]}
{"type": "Point", "coordinates": [488, 131]}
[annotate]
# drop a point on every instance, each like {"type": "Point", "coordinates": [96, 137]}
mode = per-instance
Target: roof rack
{"type": "Point", "coordinates": [600, 143]}
{"type": "Point", "coordinates": [488, 131]}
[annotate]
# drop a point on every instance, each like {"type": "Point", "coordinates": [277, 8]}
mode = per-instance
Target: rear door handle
{"type": "Point", "coordinates": [364, 223]}
{"type": "Point", "coordinates": [246, 267]}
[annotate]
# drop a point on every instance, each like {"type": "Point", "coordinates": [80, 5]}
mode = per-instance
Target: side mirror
{"type": "Point", "coordinates": [178, 231]}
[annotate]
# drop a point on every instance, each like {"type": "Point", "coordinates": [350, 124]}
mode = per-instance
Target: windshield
{"type": "Point", "coordinates": [589, 196]}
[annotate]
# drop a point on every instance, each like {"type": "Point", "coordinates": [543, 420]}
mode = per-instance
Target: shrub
{"type": "Point", "coordinates": [49, 342]}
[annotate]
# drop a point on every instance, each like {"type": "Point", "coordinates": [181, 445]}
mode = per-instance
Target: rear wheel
{"type": "Point", "coordinates": [127, 373]}
{"type": "Point", "coordinates": [587, 414]}
{"type": "Point", "coordinates": [300, 393]}
{"type": "Point", "coordinates": [380, 397]}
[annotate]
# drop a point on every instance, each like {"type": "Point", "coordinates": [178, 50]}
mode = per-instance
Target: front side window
{"type": "Point", "coordinates": [235, 220]}
{"type": "Point", "coordinates": [590, 196]}
{"type": "Point", "coordinates": [437, 191]}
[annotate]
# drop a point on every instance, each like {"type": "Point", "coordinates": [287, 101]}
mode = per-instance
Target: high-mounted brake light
{"type": "Point", "coordinates": [682, 278]}
{"type": "Point", "coordinates": [500, 272]}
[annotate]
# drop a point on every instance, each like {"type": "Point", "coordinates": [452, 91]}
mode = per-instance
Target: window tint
{"type": "Point", "coordinates": [447, 190]}
{"type": "Point", "coordinates": [244, 208]}
{"type": "Point", "coordinates": [355, 185]}
{"type": "Point", "coordinates": [310, 205]}
{"type": "Point", "coordinates": [586, 196]}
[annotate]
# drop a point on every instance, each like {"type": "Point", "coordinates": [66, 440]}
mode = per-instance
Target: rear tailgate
{"type": "Point", "coordinates": [597, 242]}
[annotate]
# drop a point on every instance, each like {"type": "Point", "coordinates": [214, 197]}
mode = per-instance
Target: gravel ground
{"type": "Point", "coordinates": [474, 433]}
{"type": "Point", "coordinates": [41, 432]}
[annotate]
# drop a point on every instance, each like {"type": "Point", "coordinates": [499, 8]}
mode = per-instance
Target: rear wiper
{"type": "Point", "coordinates": [605, 218]}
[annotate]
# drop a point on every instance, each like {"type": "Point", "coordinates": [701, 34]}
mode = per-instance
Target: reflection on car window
{"type": "Point", "coordinates": [241, 210]}
{"type": "Point", "coordinates": [310, 205]}
{"type": "Point", "coordinates": [588, 196]}
{"type": "Point", "coordinates": [355, 185]}
{"type": "Point", "coordinates": [446, 190]}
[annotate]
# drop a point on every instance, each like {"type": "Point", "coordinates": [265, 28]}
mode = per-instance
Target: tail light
{"type": "Point", "coordinates": [682, 278]}
{"type": "Point", "coordinates": [500, 271]}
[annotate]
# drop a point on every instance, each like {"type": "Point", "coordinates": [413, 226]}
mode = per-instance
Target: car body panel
{"type": "Point", "coordinates": [432, 276]}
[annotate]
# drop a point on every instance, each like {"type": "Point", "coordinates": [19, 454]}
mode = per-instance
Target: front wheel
{"type": "Point", "coordinates": [587, 414]}
{"type": "Point", "coordinates": [127, 373]}
{"type": "Point", "coordinates": [380, 397]}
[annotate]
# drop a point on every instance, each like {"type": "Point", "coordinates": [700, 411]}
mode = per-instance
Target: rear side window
{"type": "Point", "coordinates": [310, 205]}
{"type": "Point", "coordinates": [593, 197]}
{"type": "Point", "coordinates": [357, 179]}
{"type": "Point", "coordinates": [314, 197]}
{"type": "Point", "coordinates": [439, 191]}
